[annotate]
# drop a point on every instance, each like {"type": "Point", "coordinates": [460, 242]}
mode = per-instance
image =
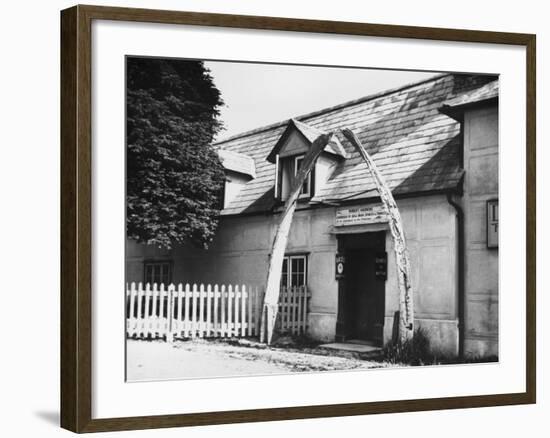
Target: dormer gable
{"type": "Point", "coordinates": [238, 163]}
{"type": "Point", "coordinates": [298, 137]}
{"type": "Point", "coordinates": [287, 155]}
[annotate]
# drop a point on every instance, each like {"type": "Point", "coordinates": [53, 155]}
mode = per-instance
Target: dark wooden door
{"type": "Point", "coordinates": [365, 296]}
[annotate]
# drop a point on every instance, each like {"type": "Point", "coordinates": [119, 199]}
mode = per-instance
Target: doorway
{"type": "Point", "coordinates": [361, 293]}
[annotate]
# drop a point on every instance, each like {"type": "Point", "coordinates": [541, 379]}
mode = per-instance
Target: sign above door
{"type": "Point", "coordinates": [361, 214]}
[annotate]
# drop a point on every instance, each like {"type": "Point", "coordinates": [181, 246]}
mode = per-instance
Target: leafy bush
{"type": "Point", "coordinates": [415, 351]}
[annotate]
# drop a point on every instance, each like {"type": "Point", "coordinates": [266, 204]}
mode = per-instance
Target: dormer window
{"type": "Point", "coordinates": [288, 155]}
{"type": "Point", "coordinates": [306, 186]}
{"type": "Point", "coordinates": [239, 170]}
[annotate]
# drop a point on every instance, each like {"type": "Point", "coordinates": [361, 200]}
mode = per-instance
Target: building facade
{"type": "Point", "coordinates": [436, 143]}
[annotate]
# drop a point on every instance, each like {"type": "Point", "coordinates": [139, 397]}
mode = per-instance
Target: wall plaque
{"type": "Point", "coordinates": [361, 214]}
{"type": "Point", "coordinates": [340, 266]}
{"type": "Point", "coordinates": [492, 223]}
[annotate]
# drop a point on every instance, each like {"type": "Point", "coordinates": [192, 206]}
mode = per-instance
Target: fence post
{"type": "Point", "coordinates": [132, 308]}
{"type": "Point", "coordinates": [257, 310]}
{"type": "Point", "coordinates": [304, 309]}
{"type": "Point", "coordinates": [201, 310]}
{"type": "Point", "coordinates": [180, 310]}
{"type": "Point", "coordinates": [243, 310]}
{"type": "Point", "coordinates": [186, 317]}
{"type": "Point", "coordinates": [170, 314]}
{"type": "Point", "coordinates": [194, 312]}
{"type": "Point", "coordinates": [155, 324]}
{"type": "Point", "coordinates": [163, 323]}
{"type": "Point", "coordinates": [216, 326]}
{"type": "Point", "coordinates": [230, 311]}
{"type": "Point", "coordinates": [288, 313]}
{"type": "Point", "coordinates": [139, 317]}
{"type": "Point", "coordinates": [236, 315]}
{"type": "Point", "coordinates": [223, 318]}
{"type": "Point", "coordinates": [147, 324]}
{"type": "Point", "coordinates": [208, 325]}
{"type": "Point", "coordinates": [249, 298]}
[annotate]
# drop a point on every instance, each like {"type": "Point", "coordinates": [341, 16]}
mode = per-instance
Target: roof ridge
{"type": "Point", "coordinates": [329, 109]}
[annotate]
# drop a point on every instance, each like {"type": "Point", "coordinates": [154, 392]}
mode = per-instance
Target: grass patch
{"type": "Point", "coordinates": [415, 351]}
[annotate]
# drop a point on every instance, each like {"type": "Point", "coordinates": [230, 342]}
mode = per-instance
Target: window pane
{"type": "Point", "coordinates": [158, 273]}
{"type": "Point", "coordinates": [284, 274]}
{"type": "Point", "coordinates": [148, 274]}
{"type": "Point", "coordinates": [298, 271]}
{"type": "Point", "coordinates": [301, 265]}
{"type": "Point", "coordinates": [305, 187]}
{"type": "Point", "coordinates": [295, 264]}
{"type": "Point", "coordinates": [160, 270]}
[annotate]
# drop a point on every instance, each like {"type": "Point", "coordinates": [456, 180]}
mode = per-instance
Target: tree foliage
{"type": "Point", "coordinates": [174, 176]}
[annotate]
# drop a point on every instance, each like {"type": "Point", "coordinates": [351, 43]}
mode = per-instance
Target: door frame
{"type": "Point", "coordinates": [376, 243]}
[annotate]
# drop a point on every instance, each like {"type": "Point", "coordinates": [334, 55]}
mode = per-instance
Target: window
{"type": "Point", "coordinates": [294, 271]}
{"type": "Point", "coordinates": [306, 186]}
{"type": "Point", "coordinates": [158, 272]}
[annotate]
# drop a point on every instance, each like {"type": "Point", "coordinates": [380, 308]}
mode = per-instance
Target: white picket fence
{"type": "Point", "coordinates": [208, 311]}
{"type": "Point", "coordinates": [293, 309]}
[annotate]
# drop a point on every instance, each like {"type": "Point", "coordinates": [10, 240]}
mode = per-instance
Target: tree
{"type": "Point", "coordinates": [174, 176]}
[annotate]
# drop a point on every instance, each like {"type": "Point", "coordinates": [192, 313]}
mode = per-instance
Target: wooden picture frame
{"type": "Point", "coordinates": [76, 218]}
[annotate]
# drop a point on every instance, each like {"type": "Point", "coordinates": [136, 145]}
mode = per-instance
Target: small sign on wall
{"type": "Point", "coordinates": [492, 223]}
{"type": "Point", "coordinates": [381, 265]}
{"type": "Point", "coordinates": [340, 266]}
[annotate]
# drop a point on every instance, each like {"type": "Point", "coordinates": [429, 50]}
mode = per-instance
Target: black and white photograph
{"type": "Point", "coordinates": [302, 218]}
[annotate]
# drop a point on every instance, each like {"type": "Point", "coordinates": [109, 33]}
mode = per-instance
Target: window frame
{"type": "Point", "coordinates": [288, 258]}
{"type": "Point", "coordinates": [167, 262]}
{"type": "Point", "coordinates": [309, 192]}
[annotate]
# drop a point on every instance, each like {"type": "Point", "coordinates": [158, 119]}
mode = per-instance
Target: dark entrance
{"type": "Point", "coordinates": [361, 293]}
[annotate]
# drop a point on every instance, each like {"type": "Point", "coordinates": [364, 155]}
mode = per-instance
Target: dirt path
{"type": "Point", "coordinates": [157, 360]}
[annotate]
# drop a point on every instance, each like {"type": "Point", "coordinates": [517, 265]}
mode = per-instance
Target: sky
{"type": "Point", "coordinates": [256, 95]}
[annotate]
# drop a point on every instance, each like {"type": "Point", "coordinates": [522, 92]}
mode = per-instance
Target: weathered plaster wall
{"type": "Point", "coordinates": [481, 264]}
{"type": "Point", "coordinates": [431, 233]}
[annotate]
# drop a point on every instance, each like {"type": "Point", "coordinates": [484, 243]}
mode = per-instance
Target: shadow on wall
{"type": "Point", "coordinates": [263, 203]}
{"type": "Point", "coordinates": [50, 417]}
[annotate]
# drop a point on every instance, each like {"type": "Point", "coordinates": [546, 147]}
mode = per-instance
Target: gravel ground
{"type": "Point", "coordinates": [158, 360]}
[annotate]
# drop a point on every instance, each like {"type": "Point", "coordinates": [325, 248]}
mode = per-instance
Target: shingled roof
{"type": "Point", "coordinates": [310, 134]}
{"type": "Point", "coordinates": [486, 92]}
{"type": "Point", "coordinates": [415, 146]}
